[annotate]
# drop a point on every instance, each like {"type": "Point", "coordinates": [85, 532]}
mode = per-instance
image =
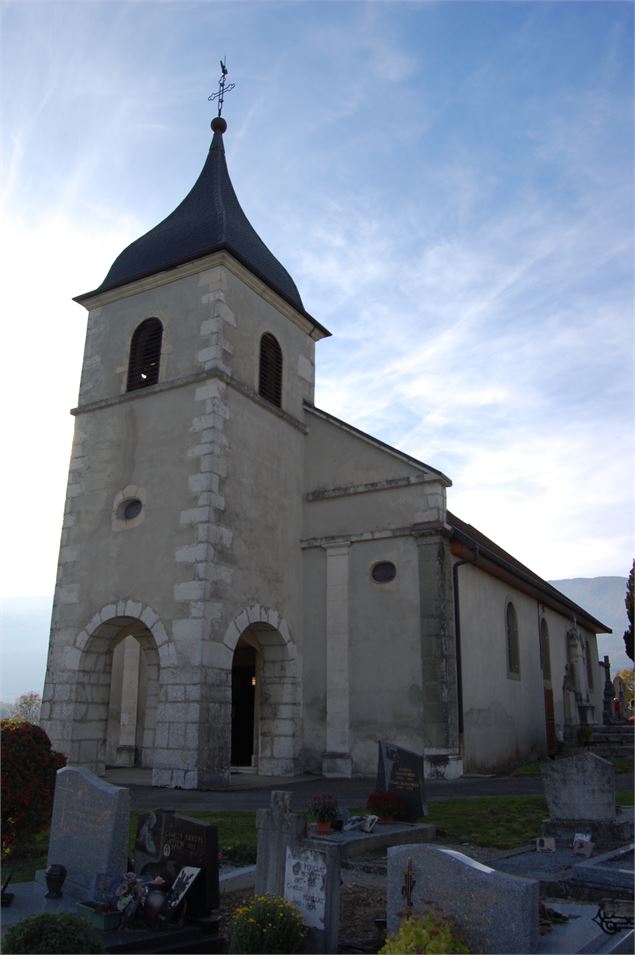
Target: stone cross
{"type": "Point", "coordinates": [278, 829]}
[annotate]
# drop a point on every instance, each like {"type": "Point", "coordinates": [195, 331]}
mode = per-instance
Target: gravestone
{"type": "Point", "coordinates": [580, 787]}
{"type": "Point", "coordinates": [166, 843]}
{"type": "Point", "coordinates": [279, 829]}
{"type": "Point", "coordinates": [89, 828]}
{"type": "Point", "coordinates": [580, 794]}
{"type": "Point", "coordinates": [495, 912]}
{"type": "Point", "coordinates": [312, 883]}
{"type": "Point", "coordinates": [400, 771]}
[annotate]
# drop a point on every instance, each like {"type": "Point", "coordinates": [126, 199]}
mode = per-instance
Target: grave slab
{"type": "Point", "coordinates": [613, 869]}
{"type": "Point", "coordinates": [29, 899]}
{"type": "Point", "coordinates": [581, 934]}
{"type": "Point", "coordinates": [496, 912]}
{"type": "Point", "coordinates": [89, 829]}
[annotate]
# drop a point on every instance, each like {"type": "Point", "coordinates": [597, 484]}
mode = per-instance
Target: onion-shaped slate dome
{"type": "Point", "coordinates": [209, 219]}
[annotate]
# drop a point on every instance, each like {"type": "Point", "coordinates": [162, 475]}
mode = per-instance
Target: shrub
{"type": "Point", "coordinates": [430, 933]}
{"type": "Point", "coordinates": [52, 932]}
{"type": "Point", "coordinates": [268, 924]}
{"type": "Point", "coordinates": [386, 805]}
{"type": "Point", "coordinates": [29, 766]}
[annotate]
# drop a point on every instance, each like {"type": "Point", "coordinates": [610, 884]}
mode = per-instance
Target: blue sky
{"type": "Point", "coordinates": [450, 184]}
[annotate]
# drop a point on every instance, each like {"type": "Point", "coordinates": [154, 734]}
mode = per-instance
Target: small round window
{"type": "Point", "coordinates": [130, 509]}
{"type": "Point", "coordinates": [384, 572]}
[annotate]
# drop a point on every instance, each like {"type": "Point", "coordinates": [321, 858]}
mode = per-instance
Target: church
{"type": "Point", "coordinates": [246, 581]}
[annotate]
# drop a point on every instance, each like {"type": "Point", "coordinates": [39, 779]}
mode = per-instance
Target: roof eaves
{"type": "Point", "coordinates": [488, 549]}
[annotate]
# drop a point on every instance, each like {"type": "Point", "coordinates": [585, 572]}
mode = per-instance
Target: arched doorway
{"type": "Point", "coordinates": [244, 687]}
{"type": "Point", "coordinates": [265, 722]}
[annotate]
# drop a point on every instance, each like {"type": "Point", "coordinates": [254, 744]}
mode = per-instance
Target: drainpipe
{"type": "Point", "coordinates": [457, 634]}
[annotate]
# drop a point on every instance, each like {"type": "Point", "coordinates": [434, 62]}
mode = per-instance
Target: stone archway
{"type": "Point", "coordinates": [277, 708]}
{"type": "Point", "coordinates": [114, 710]}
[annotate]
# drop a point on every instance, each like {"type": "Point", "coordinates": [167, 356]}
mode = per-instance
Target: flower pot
{"type": "Point", "coordinates": [323, 827]}
{"type": "Point", "coordinates": [55, 875]}
{"type": "Point", "coordinates": [105, 921]}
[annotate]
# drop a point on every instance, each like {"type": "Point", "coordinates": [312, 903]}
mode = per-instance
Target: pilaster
{"type": "Point", "coordinates": [336, 761]}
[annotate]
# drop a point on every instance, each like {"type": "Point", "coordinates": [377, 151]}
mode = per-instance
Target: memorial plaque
{"type": "Point", "coordinates": [400, 772]}
{"type": "Point", "coordinates": [166, 843]}
{"type": "Point", "coordinates": [312, 883]}
{"type": "Point", "coordinates": [305, 885]}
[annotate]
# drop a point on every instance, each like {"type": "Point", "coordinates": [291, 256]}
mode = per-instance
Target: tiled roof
{"type": "Point", "coordinates": [492, 552]}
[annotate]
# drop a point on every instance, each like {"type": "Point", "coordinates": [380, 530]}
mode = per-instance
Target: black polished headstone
{"type": "Point", "coordinates": [400, 771]}
{"type": "Point", "coordinates": [165, 843]}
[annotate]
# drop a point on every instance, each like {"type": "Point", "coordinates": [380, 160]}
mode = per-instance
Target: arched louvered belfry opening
{"type": "Point", "coordinates": [145, 355]}
{"type": "Point", "coordinates": [270, 377]}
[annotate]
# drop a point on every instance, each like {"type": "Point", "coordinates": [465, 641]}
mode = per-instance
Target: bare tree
{"type": "Point", "coordinates": [27, 707]}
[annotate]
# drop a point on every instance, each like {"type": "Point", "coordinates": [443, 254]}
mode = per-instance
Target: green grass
{"type": "Point", "coordinates": [236, 833]}
{"type": "Point", "coordinates": [499, 822]}
{"type": "Point", "coordinates": [621, 764]}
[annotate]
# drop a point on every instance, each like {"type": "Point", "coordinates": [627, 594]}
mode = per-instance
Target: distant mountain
{"type": "Point", "coordinates": [24, 627]}
{"type": "Point", "coordinates": [603, 597]}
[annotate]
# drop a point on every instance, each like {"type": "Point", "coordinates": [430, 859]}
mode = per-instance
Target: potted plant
{"type": "Point", "coordinates": [323, 809]}
{"type": "Point", "coordinates": [103, 915]}
{"type": "Point", "coordinates": [384, 804]}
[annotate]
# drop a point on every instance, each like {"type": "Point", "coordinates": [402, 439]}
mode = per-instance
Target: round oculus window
{"type": "Point", "coordinates": [130, 509]}
{"type": "Point", "coordinates": [384, 572]}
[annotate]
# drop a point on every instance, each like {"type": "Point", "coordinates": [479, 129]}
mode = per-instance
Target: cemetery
{"type": "Point", "coordinates": [570, 891]}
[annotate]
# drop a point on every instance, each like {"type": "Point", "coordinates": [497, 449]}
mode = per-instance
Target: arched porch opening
{"type": "Point", "coordinates": [115, 696]}
{"type": "Point", "coordinates": [266, 718]}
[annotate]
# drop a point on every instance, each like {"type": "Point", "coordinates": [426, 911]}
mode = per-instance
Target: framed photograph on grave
{"type": "Point", "coordinates": [179, 890]}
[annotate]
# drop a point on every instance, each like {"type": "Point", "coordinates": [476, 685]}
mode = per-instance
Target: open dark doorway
{"type": "Point", "coordinates": [243, 704]}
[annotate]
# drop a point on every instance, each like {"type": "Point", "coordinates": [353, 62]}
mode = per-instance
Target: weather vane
{"type": "Point", "coordinates": [222, 87]}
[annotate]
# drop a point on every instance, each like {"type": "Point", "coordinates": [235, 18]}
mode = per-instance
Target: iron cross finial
{"type": "Point", "coordinates": [223, 87]}
{"type": "Point", "coordinates": [407, 888]}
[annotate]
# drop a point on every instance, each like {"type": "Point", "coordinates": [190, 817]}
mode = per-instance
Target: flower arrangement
{"type": "Point", "coordinates": [431, 933]}
{"type": "Point", "coordinates": [269, 924]}
{"type": "Point", "coordinates": [131, 890]}
{"type": "Point", "coordinates": [323, 807]}
{"type": "Point", "coordinates": [386, 805]}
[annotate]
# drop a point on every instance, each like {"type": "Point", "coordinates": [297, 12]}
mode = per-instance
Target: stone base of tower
{"type": "Point", "coordinates": [190, 779]}
{"type": "Point", "coordinates": [337, 765]}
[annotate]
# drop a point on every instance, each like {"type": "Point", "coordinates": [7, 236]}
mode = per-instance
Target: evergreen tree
{"type": "Point", "coordinates": [628, 601]}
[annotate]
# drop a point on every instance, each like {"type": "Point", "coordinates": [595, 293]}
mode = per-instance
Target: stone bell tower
{"type": "Point", "coordinates": [180, 553]}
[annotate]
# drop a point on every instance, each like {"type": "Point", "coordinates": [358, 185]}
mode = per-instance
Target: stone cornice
{"type": "Point", "coordinates": [183, 382]}
{"type": "Point", "coordinates": [222, 258]}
